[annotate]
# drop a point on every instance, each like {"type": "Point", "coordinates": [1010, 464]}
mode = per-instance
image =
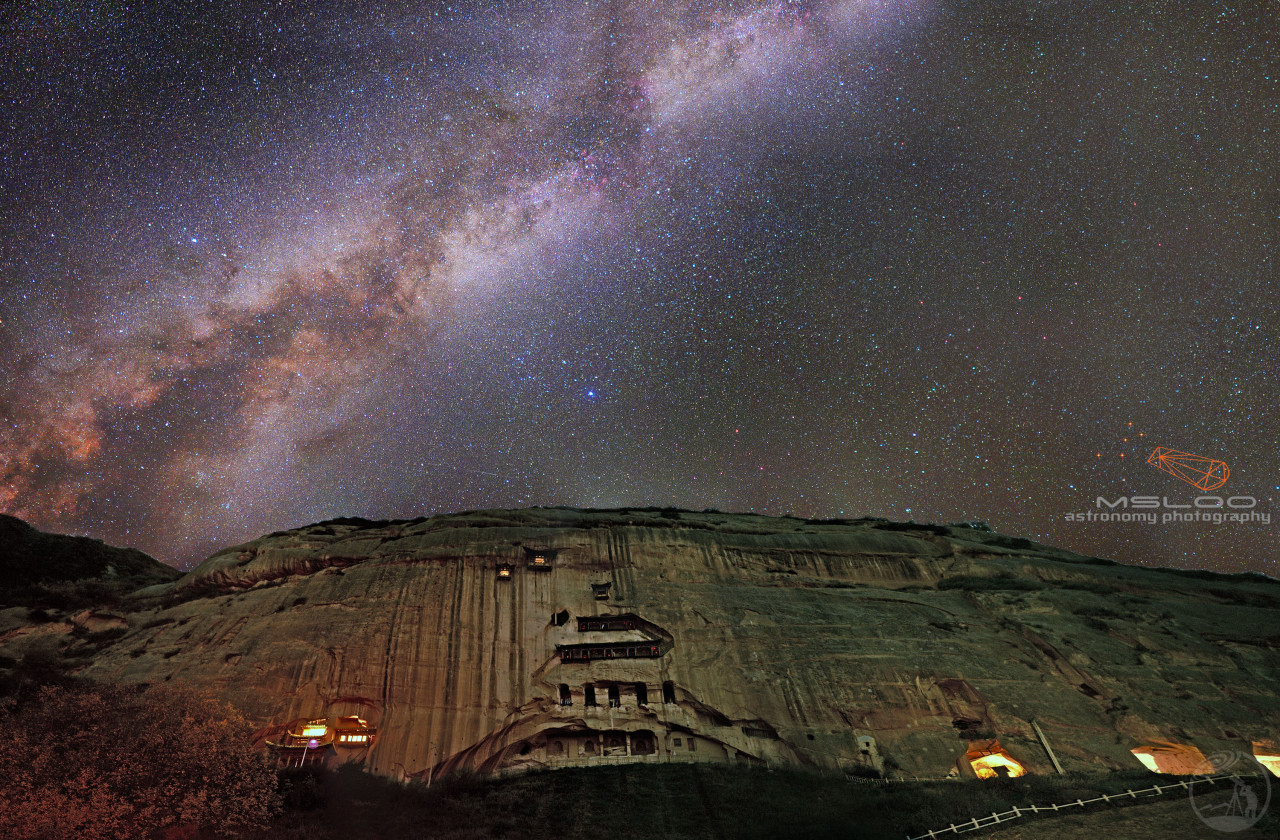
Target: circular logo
{"type": "Point", "coordinates": [1230, 791]}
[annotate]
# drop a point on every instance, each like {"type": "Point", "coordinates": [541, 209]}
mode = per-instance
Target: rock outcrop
{"type": "Point", "coordinates": [663, 636]}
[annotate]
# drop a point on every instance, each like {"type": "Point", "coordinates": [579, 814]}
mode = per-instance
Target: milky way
{"type": "Point", "coordinates": [265, 265]}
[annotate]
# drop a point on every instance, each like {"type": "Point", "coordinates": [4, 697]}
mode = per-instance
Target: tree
{"type": "Point", "coordinates": [108, 762]}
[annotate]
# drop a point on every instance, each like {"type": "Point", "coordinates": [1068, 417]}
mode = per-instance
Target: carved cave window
{"type": "Point", "coordinates": [643, 743]}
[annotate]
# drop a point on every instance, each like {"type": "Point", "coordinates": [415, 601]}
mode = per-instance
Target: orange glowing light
{"type": "Point", "coordinates": [1268, 756]}
{"type": "Point", "coordinates": [989, 760]}
{"type": "Point", "coordinates": [1168, 757]}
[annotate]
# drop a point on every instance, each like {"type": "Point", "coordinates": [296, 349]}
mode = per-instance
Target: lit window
{"type": "Point", "coordinates": [1268, 756]}
{"type": "Point", "coordinates": [990, 766]}
{"type": "Point", "coordinates": [989, 760]}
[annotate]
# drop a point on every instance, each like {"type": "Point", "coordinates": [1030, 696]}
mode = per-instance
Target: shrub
{"type": "Point", "coordinates": [105, 762]}
{"type": "Point", "coordinates": [977, 583]}
{"type": "Point", "coordinates": [1087, 586]}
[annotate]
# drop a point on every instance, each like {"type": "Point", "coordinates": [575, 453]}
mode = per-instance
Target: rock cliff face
{"type": "Point", "coordinates": [502, 640]}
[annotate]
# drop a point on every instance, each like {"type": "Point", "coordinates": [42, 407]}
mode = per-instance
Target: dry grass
{"type": "Point", "coordinates": [721, 803]}
{"type": "Point", "coordinates": [1169, 818]}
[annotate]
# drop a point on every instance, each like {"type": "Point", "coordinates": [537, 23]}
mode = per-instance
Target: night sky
{"type": "Point", "coordinates": [267, 264]}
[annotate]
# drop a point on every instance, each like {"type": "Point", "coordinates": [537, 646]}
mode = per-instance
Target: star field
{"type": "Point", "coordinates": [265, 264]}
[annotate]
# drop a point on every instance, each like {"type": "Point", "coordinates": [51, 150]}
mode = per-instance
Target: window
{"type": "Point", "coordinates": [668, 692]}
{"type": "Point", "coordinates": [566, 699]}
{"type": "Point", "coordinates": [589, 748]}
{"type": "Point", "coordinates": [691, 745]}
{"type": "Point", "coordinates": [675, 742]}
{"type": "Point", "coordinates": [588, 695]}
{"type": "Point", "coordinates": [642, 694]}
{"type": "Point", "coordinates": [615, 700]}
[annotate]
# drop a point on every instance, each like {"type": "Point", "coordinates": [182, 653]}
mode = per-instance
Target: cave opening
{"type": "Point", "coordinates": [668, 692]}
{"type": "Point", "coordinates": [1268, 755]}
{"type": "Point", "coordinates": [989, 760]}
{"type": "Point", "coordinates": [643, 743]}
{"type": "Point", "coordinates": [614, 743]}
{"type": "Point", "coordinates": [1169, 757]}
{"type": "Point", "coordinates": [566, 699]}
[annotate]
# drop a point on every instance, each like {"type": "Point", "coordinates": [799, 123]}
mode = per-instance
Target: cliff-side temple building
{"type": "Point", "coordinates": [505, 641]}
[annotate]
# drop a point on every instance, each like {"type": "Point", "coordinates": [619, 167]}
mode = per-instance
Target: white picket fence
{"type": "Point", "coordinates": [986, 822]}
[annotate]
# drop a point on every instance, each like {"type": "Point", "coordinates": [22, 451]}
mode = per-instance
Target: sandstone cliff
{"type": "Point", "coordinates": [853, 645]}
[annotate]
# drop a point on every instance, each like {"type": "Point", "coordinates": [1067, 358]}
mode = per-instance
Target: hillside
{"type": "Point", "coordinates": [859, 646]}
{"type": "Point", "coordinates": [36, 566]}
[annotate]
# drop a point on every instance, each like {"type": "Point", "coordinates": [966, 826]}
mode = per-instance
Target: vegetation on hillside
{"type": "Point", "coordinates": [40, 570]}
{"type": "Point", "coordinates": [673, 802]}
{"type": "Point", "coordinates": [106, 762]}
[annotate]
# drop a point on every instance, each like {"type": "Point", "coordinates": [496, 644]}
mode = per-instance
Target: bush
{"type": "Point", "coordinates": [1097, 612]}
{"type": "Point", "coordinates": [301, 788]}
{"type": "Point", "coordinates": [975, 583]}
{"type": "Point", "coordinates": [76, 594]}
{"type": "Point", "coordinates": [105, 762]}
{"type": "Point", "coordinates": [1087, 586]}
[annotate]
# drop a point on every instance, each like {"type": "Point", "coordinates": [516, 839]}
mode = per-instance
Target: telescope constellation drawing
{"type": "Point", "coordinates": [1198, 471]}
